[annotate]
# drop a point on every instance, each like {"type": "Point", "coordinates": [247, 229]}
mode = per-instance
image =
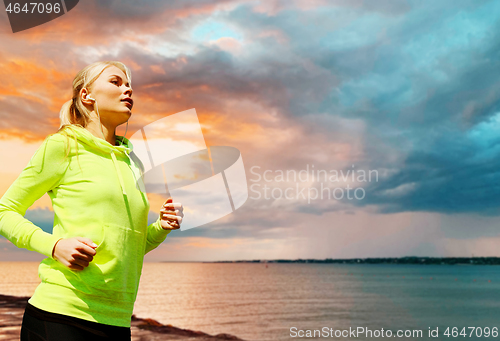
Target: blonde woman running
{"type": "Point", "coordinates": [100, 236]}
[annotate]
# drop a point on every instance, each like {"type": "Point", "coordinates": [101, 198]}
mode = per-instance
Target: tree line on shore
{"type": "Point", "coordinates": [387, 260]}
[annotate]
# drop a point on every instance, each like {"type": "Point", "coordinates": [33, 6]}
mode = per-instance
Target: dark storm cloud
{"type": "Point", "coordinates": [426, 84]}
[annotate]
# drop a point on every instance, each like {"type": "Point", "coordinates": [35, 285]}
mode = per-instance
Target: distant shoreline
{"type": "Point", "coordinates": [381, 260]}
{"type": "Point", "coordinates": [389, 260]}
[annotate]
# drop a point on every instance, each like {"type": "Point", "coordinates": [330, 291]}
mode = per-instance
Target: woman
{"type": "Point", "coordinates": [100, 235]}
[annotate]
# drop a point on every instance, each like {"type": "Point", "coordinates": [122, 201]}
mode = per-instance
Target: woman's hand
{"type": "Point", "coordinates": [171, 215]}
{"type": "Point", "coordinates": [75, 253]}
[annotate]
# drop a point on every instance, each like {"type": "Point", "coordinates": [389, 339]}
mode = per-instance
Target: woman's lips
{"type": "Point", "coordinates": [128, 103]}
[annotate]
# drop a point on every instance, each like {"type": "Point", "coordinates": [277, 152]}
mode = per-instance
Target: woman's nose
{"type": "Point", "coordinates": [128, 91]}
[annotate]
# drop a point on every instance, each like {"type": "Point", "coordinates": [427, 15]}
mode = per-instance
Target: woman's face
{"type": "Point", "coordinates": [112, 94]}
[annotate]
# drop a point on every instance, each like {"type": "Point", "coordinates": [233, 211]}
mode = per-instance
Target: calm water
{"type": "Point", "coordinates": [259, 303]}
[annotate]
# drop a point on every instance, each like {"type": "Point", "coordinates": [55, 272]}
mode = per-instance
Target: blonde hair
{"type": "Point", "coordinates": [73, 112]}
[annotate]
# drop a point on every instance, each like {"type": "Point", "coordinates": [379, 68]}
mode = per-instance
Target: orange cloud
{"type": "Point", "coordinates": [105, 24]}
{"type": "Point", "coordinates": [157, 69]}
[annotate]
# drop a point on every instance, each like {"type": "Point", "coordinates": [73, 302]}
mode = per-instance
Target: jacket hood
{"type": "Point", "coordinates": [86, 137]}
{"type": "Point", "coordinates": [89, 139]}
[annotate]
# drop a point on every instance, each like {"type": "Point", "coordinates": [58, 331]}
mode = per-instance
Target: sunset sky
{"type": "Point", "coordinates": [409, 90]}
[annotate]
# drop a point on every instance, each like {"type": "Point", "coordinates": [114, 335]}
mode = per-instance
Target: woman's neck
{"type": "Point", "coordinates": [109, 133]}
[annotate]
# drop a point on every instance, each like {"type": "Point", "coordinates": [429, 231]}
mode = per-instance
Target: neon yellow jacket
{"type": "Point", "coordinates": [94, 195]}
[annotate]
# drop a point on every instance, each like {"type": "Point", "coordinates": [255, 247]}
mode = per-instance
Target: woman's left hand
{"type": "Point", "coordinates": [171, 215]}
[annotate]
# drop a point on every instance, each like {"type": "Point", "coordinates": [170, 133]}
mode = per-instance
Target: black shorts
{"type": "Point", "coordinates": [41, 325]}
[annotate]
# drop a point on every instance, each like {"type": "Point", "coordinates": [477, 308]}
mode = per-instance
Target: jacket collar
{"type": "Point", "coordinates": [88, 138]}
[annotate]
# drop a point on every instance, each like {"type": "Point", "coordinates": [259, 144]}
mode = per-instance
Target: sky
{"type": "Point", "coordinates": [366, 128]}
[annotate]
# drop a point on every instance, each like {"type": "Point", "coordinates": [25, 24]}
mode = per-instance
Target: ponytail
{"type": "Point", "coordinates": [70, 115]}
{"type": "Point", "coordinates": [65, 113]}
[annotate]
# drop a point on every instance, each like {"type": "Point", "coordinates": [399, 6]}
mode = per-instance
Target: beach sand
{"type": "Point", "coordinates": [143, 329]}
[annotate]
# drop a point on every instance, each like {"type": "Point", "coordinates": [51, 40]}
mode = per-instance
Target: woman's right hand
{"type": "Point", "coordinates": [75, 253]}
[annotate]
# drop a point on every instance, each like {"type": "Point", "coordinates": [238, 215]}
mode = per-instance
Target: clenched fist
{"type": "Point", "coordinates": [75, 253]}
{"type": "Point", "coordinates": [171, 215]}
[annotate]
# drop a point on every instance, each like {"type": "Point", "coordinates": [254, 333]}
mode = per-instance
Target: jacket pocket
{"type": "Point", "coordinates": [118, 261]}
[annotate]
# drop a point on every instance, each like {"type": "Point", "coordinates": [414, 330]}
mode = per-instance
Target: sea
{"type": "Point", "coordinates": [311, 301]}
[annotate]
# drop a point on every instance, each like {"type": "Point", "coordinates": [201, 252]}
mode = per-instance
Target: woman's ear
{"type": "Point", "coordinates": [85, 97]}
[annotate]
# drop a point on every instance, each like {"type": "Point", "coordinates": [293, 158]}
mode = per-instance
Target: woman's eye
{"type": "Point", "coordinates": [114, 82]}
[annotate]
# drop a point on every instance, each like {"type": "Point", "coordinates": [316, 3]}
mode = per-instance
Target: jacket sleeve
{"type": "Point", "coordinates": [156, 235]}
{"type": "Point", "coordinates": [42, 174]}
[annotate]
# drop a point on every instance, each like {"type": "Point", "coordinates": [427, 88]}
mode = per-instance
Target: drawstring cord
{"type": "Point", "coordinates": [118, 172]}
